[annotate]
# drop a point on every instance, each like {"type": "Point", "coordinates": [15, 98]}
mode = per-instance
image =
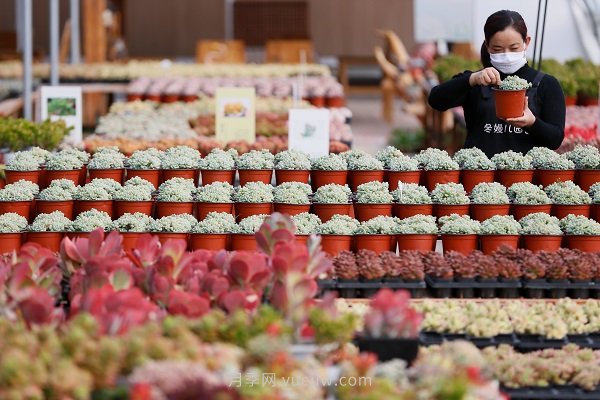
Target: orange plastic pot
{"type": "Point", "coordinates": [508, 177]}
{"type": "Point", "coordinates": [210, 176]}
{"type": "Point", "coordinates": [546, 177]}
{"type": "Point", "coordinates": [49, 240]}
{"type": "Point", "coordinates": [100, 205]}
{"type": "Point", "coordinates": [562, 210]}
{"type": "Point", "coordinates": [203, 209]}
{"type": "Point", "coordinates": [205, 241]}
{"type": "Point", "coordinates": [417, 242]}
{"type": "Point", "coordinates": [335, 244]}
{"type": "Point", "coordinates": [471, 178]}
{"type": "Point", "coordinates": [151, 175]}
{"type": "Point", "coordinates": [325, 211]}
{"type": "Point", "coordinates": [587, 243]}
{"type": "Point", "coordinates": [243, 242]}
{"type": "Point", "coordinates": [376, 243]}
{"type": "Point", "coordinates": [441, 210]}
{"type": "Point", "coordinates": [585, 178]}
{"type": "Point", "coordinates": [542, 242]}
{"type": "Point", "coordinates": [10, 242]}
{"type": "Point", "coordinates": [291, 209]}
{"type": "Point", "coordinates": [509, 103]}
{"type": "Point", "coordinates": [317, 101]}
{"type": "Point", "coordinates": [180, 173]}
{"type": "Point", "coordinates": [165, 208]}
{"type": "Point", "coordinates": [491, 243]}
{"type": "Point", "coordinates": [366, 211]}
{"type": "Point", "coordinates": [358, 177]}
{"type": "Point", "coordinates": [123, 207]}
{"type": "Point", "coordinates": [570, 100]}
{"type": "Point", "coordinates": [521, 210]}
{"type": "Point", "coordinates": [31, 176]}
{"type": "Point", "coordinates": [255, 175]}
{"type": "Point", "coordinates": [301, 239]}
{"type": "Point", "coordinates": [48, 206]}
{"type": "Point", "coordinates": [71, 174]}
{"type": "Point", "coordinates": [595, 212]}
{"type": "Point", "coordinates": [432, 178]}
{"type": "Point", "coordinates": [130, 239]}
{"type": "Point", "coordinates": [287, 175]}
{"type": "Point", "coordinates": [83, 174]}
{"type": "Point", "coordinates": [320, 178]}
{"type": "Point", "coordinates": [481, 212]}
{"type": "Point", "coordinates": [23, 208]}
{"type": "Point", "coordinates": [393, 177]}
{"type": "Point", "coordinates": [77, 235]}
{"type": "Point", "coordinates": [115, 174]}
{"type": "Point", "coordinates": [335, 102]}
{"type": "Point", "coordinates": [409, 210]}
{"type": "Point", "coordinates": [465, 244]}
{"type": "Point", "coordinates": [164, 236]}
{"type": "Point", "coordinates": [244, 210]}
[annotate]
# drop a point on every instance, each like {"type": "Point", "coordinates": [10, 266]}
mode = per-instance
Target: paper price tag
{"type": "Point", "coordinates": [235, 114]}
{"type": "Point", "coordinates": [308, 131]}
{"type": "Point", "coordinates": [64, 103]}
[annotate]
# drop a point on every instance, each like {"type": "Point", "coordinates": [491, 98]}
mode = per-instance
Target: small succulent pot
{"type": "Point", "coordinates": [123, 207]}
{"type": "Point", "coordinates": [464, 244]}
{"type": "Point", "coordinates": [70, 174]}
{"type": "Point", "coordinates": [130, 239]}
{"type": "Point", "coordinates": [83, 174]}
{"type": "Point", "coordinates": [367, 211]}
{"type": "Point", "coordinates": [335, 244]}
{"type": "Point", "coordinates": [509, 103]}
{"type": "Point", "coordinates": [388, 348]}
{"type": "Point", "coordinates": [209, 241]}
{"type": "Point", "coordinates": [433, 177]}
{"type": "Point", "coordinates": [317, 101]}
{"type": "Point", "coordinates": [10, 242]}
{"type": "Point", "coordinates": [471, 178]}
{"type": "Point", "coordinates": [508, 177]}
{"type": "Point", "coordinates": [166, 208]}
{"type": "Point", "coordinates": [358, 177]}
{"type": "Point", "coordinates": [481, 212]}
{"type": "Point", "coordinates": [441, 210]}
{"type": "Point", "coordinates": [491, 243]}
{"type": "Point", "coordinates": [409, 210]}
{"type": "Point", "coordinates": [320, 178]}
{"type": "Point", "coordinates": [170, 98]}
{"type": "Point", "coordinates": [288, 175]}
{"type": "Point", "coordinates": [546, 177]}
{"type": "Point", "coordinates": [189, 98]}
{"type": "Point", "coordinates": [423, 243]}
{"type": "Point", "coordinates": [135, 96]}
{"type": "Point", "coordinates": [393, 177]}
{"type": "Point", "coordinates": [335, 101]}
{"type": "Point", "coordinates": [31, 176]}
{"type": "Point", "coordinates": [291, 209]}
{"type": "Point", "coordinates": [302, 239]}
{"type": "Point", "coordinates": [585, 178]}
{"type": "Point", "coordinates": [376, 243]}
{"type": "Point", "coordinates": [595, 212]}
{"type": "Point", "coordinates": [538, 243]}
{"type": "Point", "coordinates": [255, 175]}
{"type": "Point", "coordinates": [521, 210]}
{"type": "Point", "coordinates": [100, 205]}
{"type": "Point", "coordinates": [192, 174]}
{"type": "Point", "coordinates": [244, 210]}
{"type": "Point", "coordinates": [203, 208]}
{"type": "Point", "coordinates": [116, 174]}
{"type": "Point", "coordinates": [164, 236]}
{"type": "Point", "coordinates": [48, 206]}
{"type": "Point", "coordinates": [214, 175]}
{"type": "Point", "coordinates": [77, 235]}
{"type": "Point", "coordinates": [21, 207]}
{"type": "Point", "coordinates": [326, 210]}
{"type": "Point", "coordinates": [151, 175]}
{"type": "Point", "coordinates": [48, 240]}
{"type": "Point", "coordinates": [562, 210]}
{"type": "Point", "coordinates": [243, 242]}
{"type": "Point", "coordinates": [587, 243]}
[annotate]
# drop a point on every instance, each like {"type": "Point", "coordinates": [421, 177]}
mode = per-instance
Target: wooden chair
{"type": "Point", "coordinates": [220, 52]}
{"type": "Point", "coordinates": [289, 51]}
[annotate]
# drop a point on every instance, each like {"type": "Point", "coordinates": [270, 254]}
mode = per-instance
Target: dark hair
{"type": "Point", "coordinates": [497, 22]}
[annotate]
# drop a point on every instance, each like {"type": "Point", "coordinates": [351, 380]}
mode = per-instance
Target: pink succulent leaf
{"type": "Point", "coordinates": [146, 251]}
{"type": "Point", "coordinates": [279, 297]}
{"type": "Point", "coordinates": [219, 260]}
{"type": "Point", "coordinates": [121, 279]}
{"type": "Point", "coordinates": [37, 308]}
{"type": "Point", "coordinates": [236, 299]}
{"type": "Point", "coordinates": [187, 304]}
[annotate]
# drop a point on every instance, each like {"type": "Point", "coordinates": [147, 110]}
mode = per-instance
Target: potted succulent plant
{"type": "Point", "coordinates": [24, 165]}
{"type": "Point", "coordinates": [255, 166]}
{"type": "Point", "coordinates": [439, 167]}
{"type": "Point", "coordinates": [450, 198]}
{"type": "Point", "coordinates": [132, 227]}
{"type": "Point", "coordinates": [63, 165]}
{"type": "Point", "coordinates": [180, 162]}
{"type": "Point", "coordinates": [581, 233]}
{"type": "Point", "coordinates": [541, 232]}
{"type": "Point", "coordinates": [243, 236]}
{"type": "Point", "coordinates": [528, 198]}
{"type": "Point", "coordinates": [138, 182]}
{"type": "Point", "coordinates": [403, 169]}
{"type": "Point", "coordinates": [48, 230]}
{"type": "Point", "coordinates": [595, 206]}
{"type": "Point", "coordinates": [306, 224]}
{"type": "Point", "coordinates": [406, 267]}
{"type": "Point", "coordinates": [173, 227]}
{"type": "Point", "coordinates": [411, 199]}
{"type": "Point", "coordinates": [512, 167]}
{"type": "Point", "coordinates": [175, 196]}
{"type": "Point", "coordinates": [345, 271]}
{"type": "Point", "coordinates": [56, 198]}
{"type": "Point", "coordinates": [373, 199]}
{"type": "Point", "coordinates": [587, 161]}
{"type": "Point", "coordinates": [509, 97]}
{"type": "Point", "coordinates": [377, 234]}
{"type": "Point", "coordinates": [110, 185]}
{"type": "Point", "coordinates": [418, 233]}
{"type": "Point", "coordinates": [362, 168]}
{"type": "Point", "coordinates": [214, 197]}
{"type": "Point", "coordinates": [475, 167]}
{"type": "Point", "coordinates": [92, 196]}
{"type": "Point", "coordinates": [371, 270]}
{"type": "Point", "coordinates": [568, 198]}
{"type": "Point", "coordinates": [12, 226]}
{"type": "Point", "coordinates": [88, 221]}
{"type": "Point", "coordinates": [498, 231]}
{"type": "Point", "coordinates": [292, 166]}
{"type": "Point", "coordinates": [145, 164]}
{"type": "Point", "coordinates": [550, 167]}
{"type": "Point", "coordinates": [331, 199]}
{"type": "Point", "coordinates": [252, 199]}
{"type": "Point", "coordinates": [336, 234]}
{"type": "Point", "coordinates": [82, 156]}
{"type": "Point", "coordinates": [387, 155]}
{"type": "Point", "coordinates": [328, 169]}
{"type": "Point", "coordinates": [459, 233]}
{"type": "Point", "coordinates": [489, 199]}
{"type": "Point", "coordinates": [218, 166]}
{"type": "Point", "coordinates": [18, 198]}
{"type": "Point", "coordinates": [107, 165]}
{"type": "Point", "coordinates": [213, 232]}
{"type": "Point", "coordinates": [292, 198]}
{"type": "Point", "coordinates": [131, 199]}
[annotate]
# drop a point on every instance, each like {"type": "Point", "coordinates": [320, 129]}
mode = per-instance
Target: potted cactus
{"type": "Point", "coordinates": [475, 167]}
{"type": "Point", "coordinates": [411, 199]}
{"type": "Point", "coordinates": [255, 166]}
{"type": "Point", "coordinates": [550, 167]}
{"type": "Point", "coordinates": [214, 197]}
{"type": "Point", "coordinates": [403, 169]}
{"type": "Point", "coordinates": [24, 165]}
{"type": "Point", "coordinates": [92, 196]}
{"type": "Point", "coordinates": [362, 168]}
{"type": "Point", "coordinates": [439, 167]}
{"type": "Point", "coordinates": [56, 198]}
{"type": "Point", "coordinates": [48, 230]}
{"type": "Point", "coordinates": [306, 224]}
{"type": "Point", "coordinates": [568, 198]}
{"type": "Point", "coordinates": [107, 165]}
{"type": "Point", "coordinates": [132, 227]}
{"type": "Point", "coordinates": [12, 226]}
{"type": "Point", "coordinates": [581, 233]}
{"type": "Point", "coordinates": [173, 227]}
{"type": "Point", "coordinates": [541, 232]}
{"type": "Point", "coordinates": [450, 198]}
{"type": "Point", "coordinates": [377, 234]}
{"type": "Point", "coordinates": [131, 199]}
{"type": "Point", "coordinates": [459, 233]}
{"type": "Point", "coordinates": [292, 166]}
{"type": "Point", "coordinates": [418, 233]}
{"type": "Point", "coordinates": [331, 199]}
{"type": "Point", "coordinates": [328, 169]}
{"type": "Point", "coordinates": [528, 198]}
{"type": "Point", "coordinates": [512, 167]}
{"type": "Point", "coordinates": [373, 199]}
{"type": "Point", "coordinates": [64, 165]}
{"type": "Point", "coordinates": [243, 236]}
{"type": "Point", "coordinates": [213, 232]}
{"type": "Point", "coordinates": [175, 196]}
{"type": "Point", "coordinates": [489, 199]}
{"type": "Point", "coordinates": [292, 198]}
{"type": "Point", "coordinates": [509, 97]}
{"type": "Point", "coordinates": [587, 161]}
{"type": "Point", "coordinates": [180, 162]}
{"type": "Point", "coordinates": [145, 164]}
{"type": "Point", "coordinates": [18, 198]}
{"type": "Point", "coordinates": [498, 231]}
{"type": "Point", "coordinates": [88, 221]}
{"type": "Point", "coordinates": [336, 234]}
{"type": "Point", "coordinates": [253, 198]}
{"type": "Point", "coordinates": [218, 166]}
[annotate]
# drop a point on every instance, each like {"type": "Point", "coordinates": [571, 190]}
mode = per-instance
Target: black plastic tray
{"type": "Point", "coordinates": [552, 393]}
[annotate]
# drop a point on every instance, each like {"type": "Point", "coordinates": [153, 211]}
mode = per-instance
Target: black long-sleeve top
{"type": "Point", "coordinates": [493, 135]}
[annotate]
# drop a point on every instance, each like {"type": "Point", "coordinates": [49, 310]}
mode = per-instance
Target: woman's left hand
{"type": "Point", "coordinates": [526, 120]}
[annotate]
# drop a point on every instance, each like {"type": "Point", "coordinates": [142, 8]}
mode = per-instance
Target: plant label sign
{"type": "Point", "coordinates": [64, 103]}
{"type": "Point", "coordinates": [235, 114]}
{"type": "Point", "coordinates": [308, 131]}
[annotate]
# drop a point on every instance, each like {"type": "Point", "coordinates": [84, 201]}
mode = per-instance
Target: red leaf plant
{"type": "Point", "coordinates": [76, 252]}
{"type": "Point", "coordinates": [391, 316]}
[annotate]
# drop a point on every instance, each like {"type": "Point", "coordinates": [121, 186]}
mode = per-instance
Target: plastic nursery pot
{"type": "Point", "coordinates": [491, 243]}
{"type": "Point", "coordinates": [115, 174]}
{"type": "Point", "coordinates": [10, 242]}
{"type": "Point", "coordinates": [335, 244]}
{"type": "Point", "coordinates": [202, 209]}
{"type": "Point", "coordinates": [130, 239]}
{"type": "Point", "coordinates": [441, 210]}
{"type": "Point", "coordinates": [100, 205]}
{"type": "Point", "coordinates": [48, 206]}
{"type": "Point", "coordinates": [165, 208]}
{"type": "Point", "coordinates": [255, 175]}
{"type": "Point", "coordinates": [587, 101]}
{"type": "Point", "coordinates": [207, 241]}
{"type": "Point", "coordinates": [291, 209]}
{"type": "Point", "coordinates": [164, 236]}
{"type": "Point", "coordinates": [135, 96]}
{"type": "Point", "coordinates": [151, 175]}
{"type": "Point", "coordinates": [585, 178]}
{"type": "Point", "coordinates": [49, 240]}
{"type": "Point", "coordinates": [211, 176]}
{"type": "Point", "coordinates": [432, 178]}
{"type": "Point", "coordinates": [301, 239]}
{"type": "Point", "coordinates": [71, 174]}
{"type": "Point", "coordinates": [542, 242]}
{"type": "Point", "coordinates": [83, 174]}
{"type": "Point", "coordinates": [471, 178]}
{"type": "Point", "coordinates": [366, 211]}
{"type": "Point", "coordinates": [393, 177]}
{"type": "Point", "coordinates": [169, 98]}
{"type": "Point", "coordinates": [409, 210]}
{"type": "Point", "coordinates": [188, 98]}
{"type": "Point", "coordinates": [243, 210]}
{"type": "Point", "coordinates": [562, 210]}
{"type": "Point", "coordinates": [376, 243]}
{"type": "Point", "coordinates": [358, 177]}
{"type": "Point", "coordinates": [595, 212]}
{"type": "Point", "coordinates": [389, 349]}
{"type": "Point", "coordinates": [77, 235]}
{"type": "Point", "coordinates": [521, 210]}
{"type": "Point", "coordinates": [243, 242]}
{"type": "Point", "coordinates": [122, 207]}
{"type": "Point", "coordinates": [481, 212]}
{"type": "Point", "coordinates": [508, 177]}
{"type": "Point", "coordinates": [587, 243]}
{"type": "Point", "coordinates": [192, 174]}
{"type": "Point", "coordinates": [464, 244]}
{"type": "Point", "coordinates": [570, 100]}
{"type": "Point", "coordinates": [547, 177]}
{"type": "Point", "coordinates": [335, 101]}
{"type": "Point", "coordinates": [326, 210]}
{"type": "Point", "coordinates": [509, 103]}
{"type": "Point", "coordinates": [317, 101]}
{"type": "Point", "coordinates": [31, 176]}
{"type": "Point", "coordinates": [320, 178]}
{"type": "Point", "coordinates": [288, 175]}
{"type": "Point", "coordinates": [23, 208]}
{"type": "Point", "coordinates": [417, 242]}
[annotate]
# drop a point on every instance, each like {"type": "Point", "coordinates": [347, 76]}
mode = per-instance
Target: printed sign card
{"type": "Point", "coordinates": [309, 131]}
{"type": "Point", "coordinates": [235, 114]}
{"type": "Point", "coordinates": [64, 103]}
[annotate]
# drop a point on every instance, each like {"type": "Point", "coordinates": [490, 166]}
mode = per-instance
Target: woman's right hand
{"type": "Point", "coordinates": [485, 77]}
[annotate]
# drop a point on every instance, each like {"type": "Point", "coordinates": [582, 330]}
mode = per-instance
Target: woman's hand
{"type": "Point", "coordinates": [526, 120]}
{"type": "Point", "coordinates": [485, 77]}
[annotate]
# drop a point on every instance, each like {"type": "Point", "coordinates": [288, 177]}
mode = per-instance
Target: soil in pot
{"type": "Point", "coordinates": [490, 243]}
{"type": "Point", "coordinates": [508, 177]}
{"type": "Point", "coordinates": [48, 206]}
{"type": "Point", "coordinates": [325, 211]}
{"type": "Point", "coordinates": [71, 174]}
{"type": "Point", "coordinates": [389, 349]}
{"type": "Point", "coordinates": [286, 175]}
{"type": "Point", "coordinates": [122, 207]}
{"type": "Point", "coordinates": [376, 243]}
{"type": "Point", "coordinates": [587, 243]}
{"type": "Point", "coordinates": [100, 205]}
{"type": "Point", "coordinates": [49, 240]}
{"type": "Point", "coordinates": [165, 208]}
{"type": "Point", "coordinates": [366, 211]}
{"type": "Point", "coordinates": [542, 242]}
{"type": "Point", "coordinates": [23, 208]}
{"type": "Point", "coordinates": [243, 210]}
{"type": "Point", "coordinates": [432, 178]}
{"type": "Point", "coordinates": [151, 175]}
{"type": "Point", "coordinates": [509, 103]}
{"type": "Point", "coordinates": [417, 242]}
{"type": "Point", "coordinates": [546, 177]}
{"type": "Point", "coordinates": [243, 242]}
{"type": "Point", "coordinates": [320, 178]}
{"type": "Point", "coordinates": [585, 178]}
{"type": "Point", "coordinates": [31, 176]}
{"type": "Point", "coordinates": [335, 244]}
{"type": "Point", "coordinates": [10, 242]}
{"type": "Point", "coordinates": [205, 241]}
{"type": "Point", "coordinates": [255, 175]}
{"type": "Point", "coordinates": [441, 210]}
{"type": "Point", "coordinates": [562, 210]}
{"type": "Point", "coordinates": [471, 178]}
{"type": "Point", "coordinates": [114, 174]}
{"type": "Point", "coordinates": [203, 209]}
{"type": "Point", "coordinates": [521, 210]}
{"type": "Point", "coordinates": [212, 176]}
{"type": "Point", "coordinates": [481, 212]}
{"type": "Point", "coordinates": [393, 177]}
{"type": "Point", "coordinates": [130, 239]}
{"type": "Point", "coordinates": [358, 177]}
{"type": "Point", "coordinates": [192, 174]}
{"type": "Point", "coordinates": [464, 244]}
{"type": "Point", "coordinates": [291, 209]}
{"type": "Point", "coordinates": [409, 210]}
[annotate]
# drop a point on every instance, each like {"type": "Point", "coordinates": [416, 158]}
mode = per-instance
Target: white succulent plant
{"type": "Point", "coordinates": [24, 161]}
{"type": "Point", "coordinates": [411, 193]}
{"type": "Point", "coordinates": [332, 194]}
{"type": "Point", "coordinates": [65, 184]}
{"type": "Point", "coordinates": [144, 159]}
{"type": "Point", "coordinates": [90, 220]}
{"type": "Point", "coordinates": [219, 160]}
{"type": "Point", "coordinates": [567, 193]}
{"type": "Point", "coordinates": [579, 225]}
{"type": "Point", "coordinates": [82, 155]}
{"type": "Point", "coordinates": [133, 193]}
{"type": "Point", "coordinates": [136, 222]}
{"type": "Point", "coordinates": [254, 192]}
{"type": "Point", "coordinates": [12, 223]}
{"type": "Point", "coordinates": [55, 193]}
{"type": "Point", "coordinates": [418, 224]}
{"type": "Point", "coordinates": [306, 223]}
{"type": "Point", "coordinates": [15, 194]}
{"type": "Point", "coordinates": [433, 159]}
{"type": "Point", "coordinates": [176, 190]}
{"type": "Point", "coordinates": [107, 160]}
{"type": "Point", "coordinates": [330, 162]}
{"type": "Point", "coordinates": [364, 163]}
{"type": "Point", "coordinates": [216, 223]}
{"type": "Point", "coordinates": [473, 159]}
{"type": "Point", "coordinates": [292, 193]}
{"type": "Point", "coordinates": [110, 185]}
{"type": "Point", "coordinates": [489, 193]}
{"type": "Point", "coordinates": [403, 163]}
{"type": "Point", "coordinates": [292, 160]}
{"type": "Point", "coordinates": [513, 82]}
{"type": "Point", "coordinates": [544, 158]}
{"type": "Point", "coordinates": [500, 225]}
{"type": "Point", "coordinates": [511, 160]}
{"type": "Point", "coordinates": [380, 225]}
{"type": "Point", "coordinates": [250, 225]}
{"type": "Point", "coordinates": [63, 162]}
{"type": "Point", "coordinates": [455, 224]}
{"type": "Point", "coordinates": [176, 223]}
{"type": "Point", "coordinates": [180, 157]}
{"type": "Point", "coordinates": [216, 192]}
{"type": "Point", "coordinates": [92, 192]}
{"type": "Point", "coordinates": [388, 154]}
{"type": "Point", "coordinates": [52, 222]}
{"type": "Point", "coordinates": [25, 186]}
{"type": "Point", "coordinates": [256, 159]}
{"type": "Point", "coordinates": [540, 224]}
{"type": "Point", "coordinates": [449, 193]}
{"type": "Point", "coordinates": [527, 193]}
{"type": "Point", "coordinates": [585, 156]}
{"type": "Point", "coordinates": [141, 183]}
{"type": "Point", "coordinates": [338, 225]}
{"type": "Point", "coordinates": [374, 193]}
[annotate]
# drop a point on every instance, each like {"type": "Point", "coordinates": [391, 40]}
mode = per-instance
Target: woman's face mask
{"type": "Point", "coordinates": [508, 62]}
{"type": "Point", "coordinates": [507, 50]}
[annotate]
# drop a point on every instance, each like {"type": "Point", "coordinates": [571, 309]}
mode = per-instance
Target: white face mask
{"type": "Point", "coordinates": [509, 62]}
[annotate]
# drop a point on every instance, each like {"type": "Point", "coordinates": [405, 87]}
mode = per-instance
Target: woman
{"type": "Point", "coordinates": [503, 54]}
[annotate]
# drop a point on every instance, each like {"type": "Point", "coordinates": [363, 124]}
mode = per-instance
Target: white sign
{"type": "Point", "coordinates": [64, 103]}
{"type": "Point", "coordinates": [309, 131]}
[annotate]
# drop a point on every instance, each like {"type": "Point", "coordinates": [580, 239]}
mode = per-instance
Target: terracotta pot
{"type": "Point", "coordinates": [301, 239]}
{"type": "Point", "coordinates": [366, 211]}
{"type": "Point", "coordinates": [135, 96]}
{"type": "Point", "coordinates": [255, 175]}
{"type": "Point", "coordinates": [585, 178]}
{"type": "Point", "coordinates": [165, 208]}
{"type": "Point", "coordinates": [357, 178]}
{"type": "Point", "coordinates": [542, 242]}
{"type": "Point", "coordinates": [432, 178]}
{"type": "Point", "coordinates": [464, 244]}
{"type": "Point", "coordinates": [291, 209]}
{"type": "Point", "coordinates": [595, 212]}
{"type": "Point", "coordinates": [481, 212]}
{"type": "Point", "coordinates": [48, 206]}
{"type": "Point", "coordinates": [320, 178]}
{"type": "Point", "coordinates": [285, 175]}
{"type": "Point", "coordinates": [587, 101]}
{"type": "Point", "coordinates": [205, 241]}
{"type": "Point", "coordinates": [335, 244]}
{"type": "Point", "coordinates": [49, 240]}
{"type": "Point", "coordinates": [471, 178]}
{"type": "Point", "coordinates": [122, 207]}
{"type": "Point", "coordinates": [570, 100]}
{"type": "Point", "coordinates": [562, 210]}
{"type": "Point", "coordinates": [202, 209]}
{"type": "Point", "coordinates": [83, 174]}
{"type": "Point", "coordinates": [490, 243]}
{"type": "Point", "coordinates": [546, 177]}
{"type": "Point", "coordinates": [77, 235]}
{"type": "Point", "coordinates": [114, 174]}
{"type": "Point", "coordinates": [441, 210]}
{"type": "Point", "coordinates": [317, 101]}
{"type": "Point", "coordinates": [393, 177]}
{"type": "Point", "coordinates": [508, 177]}
{"type": "Point", "coordinates": [23, 208]}
{"type": "Point", "coordinates": [31, 176]}
{"type": "Point", "coordinates": [170, 98]}
{"type": "Point", "coordinates": [335, 102]}
{"type": "Point", "coordinates": [188, 98]}
{"type": "Point", "coordinates": [180, 173]}
{"type": "Point", "coordinates": [376, 243]}
{"type": "Point", "coordinates": [326, 211]}
{"type": "Point", "coordinates": [151, 175]}
{"type": "Point", "coordinates": [243, 242]}
{"type": "Point", "coordinates": [100, 205]}
{"type": "Point", "coordinates": [71, 174]}
{"type": "Point", "coordinates": [210, 176]}
{"type": "Point", "coordinates": [10, 242]}
{"type": "Point", "coordinates": [156, 97]}
{"type": "Point", "coordinates": [587, 243]}
{"type": "Point", "coordinates": [164, 236]}
{"type": "Point", "coordinates": [130, 239]}
{"type": "Point", "coordinates": [521, 210]}
{"type": "Point", "coordinates": [2, 183]}
{"type": "Point", "coordinates": [509, 103]}
{"type": "Point", "coordinates": [243, 210]}
{"type": "Point", "coordinates": [409, 210]}
{"type": "Point", "coordinates": [417, 242]}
